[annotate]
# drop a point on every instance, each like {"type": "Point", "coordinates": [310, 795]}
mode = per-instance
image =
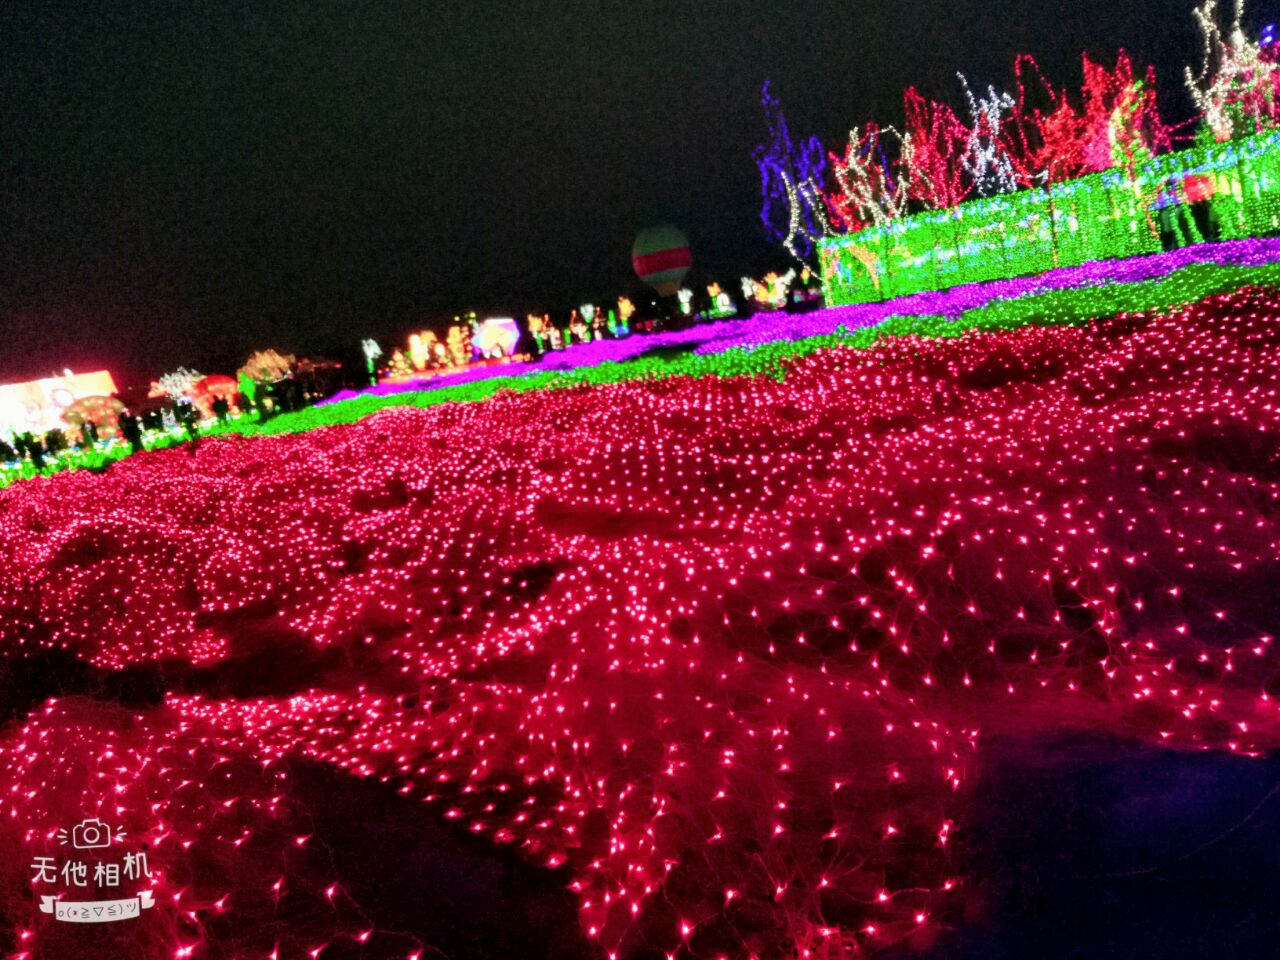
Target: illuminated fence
{"type": "Point", "coordinates": [1222, 191]}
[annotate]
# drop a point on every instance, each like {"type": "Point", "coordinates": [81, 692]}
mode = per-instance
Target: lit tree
{"type": "Point", "coordinates": [399, 367]}
{"type": "Point", "coordinates": [180, 384]}
{"type": "Point", "coordinates": [933, 167]}
{"type": "Point", "coordinates": [1044, 133]}
{"type": "Point", "coordinates": [795, 209]}
{"type": "Point", "coordinates": [1118, 123]}
{"type": "Point", "coordinates": [1121, 116]}
{"type": "Point", "coordinates": [870, 193]}
{"type": "Point", "coordinates": [1236, 87]}
{"type": "Point", "coordinates": [986, 158]}
{"type": "Point", "coordinates": [268, 366]}
{"type": "Point", "coordinates": [1062, 143]}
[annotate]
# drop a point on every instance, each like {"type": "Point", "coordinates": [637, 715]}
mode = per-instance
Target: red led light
{"type": "Point", "coordinates": [719, 649]}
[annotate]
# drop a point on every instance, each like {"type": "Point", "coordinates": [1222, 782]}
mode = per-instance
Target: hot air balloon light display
{"type": "Point", "coordinates": [662, 258]}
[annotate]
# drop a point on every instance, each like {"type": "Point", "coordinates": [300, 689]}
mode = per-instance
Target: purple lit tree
{"type": "Point", "coordinates": [795, 208]}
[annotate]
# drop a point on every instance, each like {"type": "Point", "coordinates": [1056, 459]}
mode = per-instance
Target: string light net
{"type": "Point", "coordinates": [721, 650]}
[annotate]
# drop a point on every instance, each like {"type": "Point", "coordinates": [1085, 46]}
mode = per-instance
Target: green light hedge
{"type": "Point", "coordinates": [1102, 216]}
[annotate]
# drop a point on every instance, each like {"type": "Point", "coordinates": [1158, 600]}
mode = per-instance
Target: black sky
{"type": "Point", "coordinates": [196, 178]}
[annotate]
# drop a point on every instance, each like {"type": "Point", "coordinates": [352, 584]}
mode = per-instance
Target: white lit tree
{"type": "Point", "coordinates": [1236, 86]}
{"type": "Point", "coordinates": [871, 193]}
{"type": "Point", "coordinates": [180, 384]}
{"type": "Point", "coordinates": [986, 158]}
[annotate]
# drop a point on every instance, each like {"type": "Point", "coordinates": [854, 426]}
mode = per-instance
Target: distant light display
{"type": "Point", "coordinates": [1066, 295]}
{"type": "Point", "coordinates": [177, 385]}
{"type": "Point", "coordinates": [208, 390]}
{"type": "Point", "coordinates": [103, 412]}
{"type": "Point", "coordinates": [496, 337]}
{"type": "Point", "coordinates": [662, 258]}
{"type": "Point", "coordinates": [422, 349]}
{"type": "Point", "coordinates": [36, 406]}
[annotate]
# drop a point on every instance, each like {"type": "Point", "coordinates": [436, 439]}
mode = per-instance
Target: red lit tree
{"type": "Point", "coordinates": [1121, 117]}
{"type": "Point", "coordinates": [1044, 133]}
{"type": "Point", "coordinates": [1118, 123]}
{"type": "Point", "coordinates": [934, 170]}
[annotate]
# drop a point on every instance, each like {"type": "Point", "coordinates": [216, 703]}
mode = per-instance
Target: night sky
{"type": "Point", "coordinates": [183, 182]}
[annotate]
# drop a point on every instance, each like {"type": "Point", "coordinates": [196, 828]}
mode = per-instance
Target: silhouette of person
{"type": "Point", "coordinates": [34, 450]}
{"type": "Point", "coordinates": [131, 430]}
{"type": "Point", "coordinates": [187, 417]}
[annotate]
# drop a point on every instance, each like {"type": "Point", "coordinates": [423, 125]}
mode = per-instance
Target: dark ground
{"type": "Point", "coordinates": [1082, 847]}
{"type": "Point", "coordinates": [1092, 848]}
{"type": "Point", "coordinates": [411, 870]}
